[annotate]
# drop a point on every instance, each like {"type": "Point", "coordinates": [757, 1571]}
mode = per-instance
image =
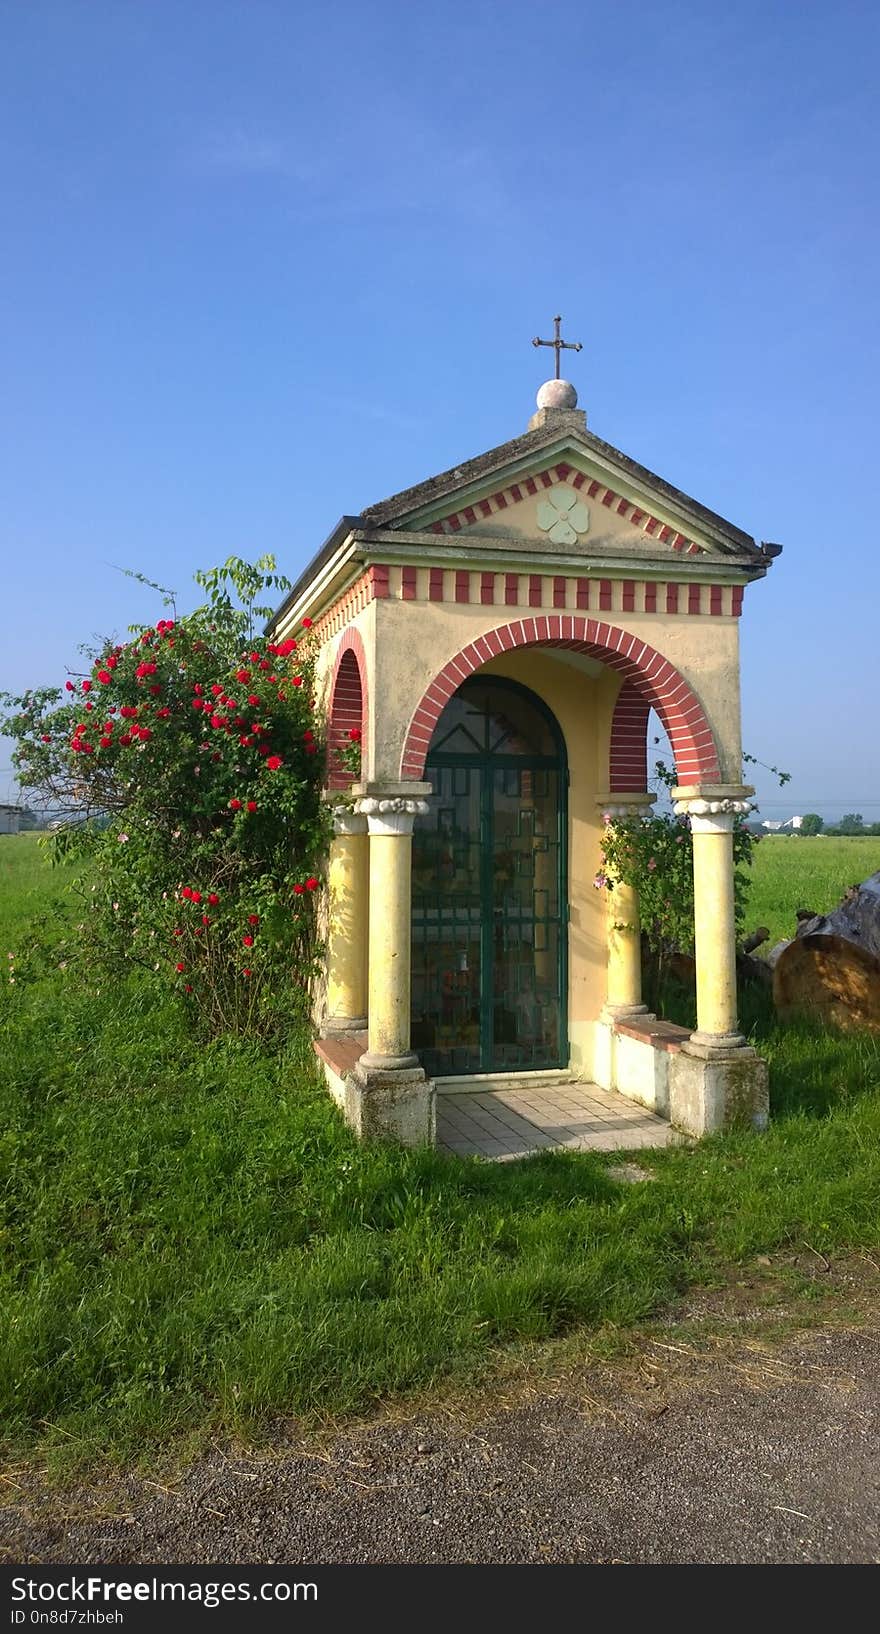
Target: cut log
{"type": "Point", "coordinates": [831, 968]}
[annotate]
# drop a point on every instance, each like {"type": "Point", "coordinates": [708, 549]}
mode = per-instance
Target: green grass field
{"type": "Point", "coordinates": [191, 1241]}
{"type": "Point", "coordinates": [791, 873]}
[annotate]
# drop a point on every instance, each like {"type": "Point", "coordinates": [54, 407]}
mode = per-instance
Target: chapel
{"type": "Point", "coordinates": [490, 644]}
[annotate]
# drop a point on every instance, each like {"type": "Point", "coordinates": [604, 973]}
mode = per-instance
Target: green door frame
{"type": "Point", "coordinates": [487, 764]}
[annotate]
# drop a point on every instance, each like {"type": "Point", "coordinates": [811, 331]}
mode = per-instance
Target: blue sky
{"type": "Point", "coordinates": [267, 262]}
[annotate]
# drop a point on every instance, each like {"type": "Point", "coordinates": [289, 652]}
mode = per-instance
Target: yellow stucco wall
{"type": "Point", "coordinates": [414, 640]}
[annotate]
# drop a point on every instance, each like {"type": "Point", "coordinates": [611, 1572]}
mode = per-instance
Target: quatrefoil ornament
{"type": "Point", "coordinates": [562, 515]}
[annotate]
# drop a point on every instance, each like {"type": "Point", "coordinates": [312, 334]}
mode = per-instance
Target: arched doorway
{"type": "Point", "coordinates": [489, 953]}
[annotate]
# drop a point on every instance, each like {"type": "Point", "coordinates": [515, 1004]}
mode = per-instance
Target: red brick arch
{"type": "Point", "coordinates": [628, 768]}
{"type": "Point", "coordinates": [652, 679]}
{"type": "Point", "coordinates": [348, 702]}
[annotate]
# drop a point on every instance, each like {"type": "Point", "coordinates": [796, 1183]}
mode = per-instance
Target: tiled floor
{"type": "Point", "coordinates": [505, 1123]}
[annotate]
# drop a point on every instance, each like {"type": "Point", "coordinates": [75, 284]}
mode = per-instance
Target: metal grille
{"type": "Point", "coordinates": [489, 897]}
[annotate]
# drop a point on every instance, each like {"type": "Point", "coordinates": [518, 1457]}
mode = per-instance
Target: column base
{"type": "Point", "coordinates": [715, 1046]}
{"type": "Point", "coordinates": [395, 1102]}
{"type": "Point", "coordinates": [331, 1026]}
{"type": "Point", "coordinates": [623, 1012]}
{"type": "Point", "coordinates": [720, 1086]}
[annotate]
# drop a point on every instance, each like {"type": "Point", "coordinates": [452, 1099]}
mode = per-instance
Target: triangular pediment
{"type": "Point", "coordinates": [559, 490]}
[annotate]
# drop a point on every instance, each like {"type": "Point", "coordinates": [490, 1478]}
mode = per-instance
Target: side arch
{"type": "Point", "coordinates": [348, 703]}
{"type": "Point", "coordinates": [628, 754]}
{"type": "Point", "coordinates": [651, 676]}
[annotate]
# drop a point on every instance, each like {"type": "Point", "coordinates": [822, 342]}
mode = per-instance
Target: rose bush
{"type": "Point", "coordinates": [190, 761]}
{"type": "Point", "coordinates": [655, 854]}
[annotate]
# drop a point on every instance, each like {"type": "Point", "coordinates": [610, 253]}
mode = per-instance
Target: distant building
{"type": "Point", "coordinates": [10, 819]}
{"type": "Point", "coordinates": [791, 823]}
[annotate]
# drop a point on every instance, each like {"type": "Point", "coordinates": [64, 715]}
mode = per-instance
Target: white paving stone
{"type": "Point", "coordinates": [506, 1123]}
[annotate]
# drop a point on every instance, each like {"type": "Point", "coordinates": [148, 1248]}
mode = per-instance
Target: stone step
{"type": "Point", "coordinates": [487, 1083]}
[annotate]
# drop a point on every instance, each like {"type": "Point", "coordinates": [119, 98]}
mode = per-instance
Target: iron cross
{"type": "Point", "coordinates": [558, 344]}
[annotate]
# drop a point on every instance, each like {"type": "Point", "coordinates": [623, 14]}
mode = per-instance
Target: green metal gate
{"type": "Point", "coordinates": [490, 914]}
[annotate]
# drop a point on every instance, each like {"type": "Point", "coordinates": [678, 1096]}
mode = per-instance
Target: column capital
{"type": "Point", "coordinates": [395, 816]}
{"type": "Point", "coordinates": [347, 822]}
{"type": "Point", "coordinates": [712, 815]}
{"type": "Point", "coordinates": [621, 808]}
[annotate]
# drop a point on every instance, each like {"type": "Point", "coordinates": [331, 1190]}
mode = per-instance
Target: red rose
{"type": "Point", "coordinates": [252, 805]}
{"type": "Point", "coordinates": [312, 884]}
{"type": "Point", "coordinates": [197, 689]}
{"type": "Point", "coordinates": [213, 899]}
{"type": "Point", "coordinates": [255, 657]}
{"type": "Point", "coordinates": [355, 734]}
{"type": "Point", "coordinates": [296, 681]}
{"type": "Point", "coordinates": [177, 931]}
{"type": "Point", "coordinates": [273, 762]}
{"type": "Point", "coordinates": [248, 941]}
{"type": "Point", "coordinates": [308, 734]}
{"type": "Point", "coordinates": [235, 805]}
{"type": "Point", "coordinates": [216, 689]}
{"type": "Point", "coordinates": [254, 701]}
{"type": "Point", "coordinates": [104, 677]}
{"type": "Point", "coordinates": [112, 661]}
{"type": "Point", "coordinates": [264, 664]}
{"type": "Point", "coordinates": [125, 739]}
{"type": "Point", "coordinates": [87, 686]}
{"type": "Point", "coordinates": [162, 714]}
{"type": "Point", "coordinates": [155, 691]}
{"type": "Point", "coordinates": [46, 738]}
{"type": "Point", "coordinates": [205, 919]}
{"type": "Point", "coordinates": [144, 733]}
{"type": "Point", "coordinates": [186, 892]}
{"type": "Point", "coordinates": [68, 686]}
{"type": "Point", "coordinates": [307, 623]}
{"type": "Point", "coordinates": [245, 972]}
{"type": "Point", "coordinates": [242, 675]}
{"type": "Point", "coordinates": [106, 743]}
{"type": "Point", "coordinates": [299, 890]}
{"type": "Point", "coordinates": [196, 896]}
{"type": "Point", "coordinates": [188, 987]}
{"type": "Point", "coordinates": [180, 967]}
{"type": "Point", "coordinates": [253, 919]}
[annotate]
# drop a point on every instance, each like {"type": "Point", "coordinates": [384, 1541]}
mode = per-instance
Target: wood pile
{"type": "Point", "coordinates": [831, 966]}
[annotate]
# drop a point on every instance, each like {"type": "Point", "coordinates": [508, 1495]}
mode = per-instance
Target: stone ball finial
{"type": "Point", "coordinates": [557, 394]}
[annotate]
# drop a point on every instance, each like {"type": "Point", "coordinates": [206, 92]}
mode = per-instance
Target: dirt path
{"type": "Point", "coordinates": [713, 1450]}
